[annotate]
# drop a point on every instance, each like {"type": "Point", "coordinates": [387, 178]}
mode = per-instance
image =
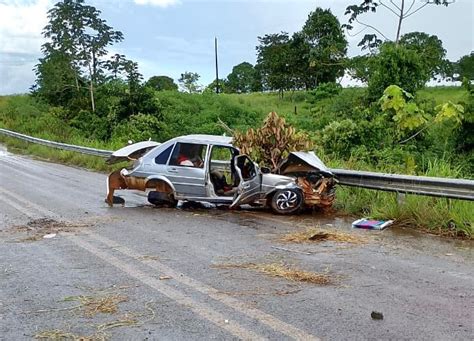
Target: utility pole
{"type": "Point", "coordinates": [217, 66]}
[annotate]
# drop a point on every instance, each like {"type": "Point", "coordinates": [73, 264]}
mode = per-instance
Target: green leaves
{"type": "Point", "coordinates": [407, 115]}
{"type": "Point", "coordinates": [450, 112]}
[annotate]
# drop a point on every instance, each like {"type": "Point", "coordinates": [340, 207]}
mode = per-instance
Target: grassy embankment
{"type": "Point", "coordinates": [441, 216]}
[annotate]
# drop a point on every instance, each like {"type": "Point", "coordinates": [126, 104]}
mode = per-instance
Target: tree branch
{"type": "Point", "coordinates": [389, 8]}
{"type": "Point", "coordinates": [356, 34]}
{"type": "Point", "coordinates": [416, 134]}
{"type": "Point", "coordinates": [223, 125]}
{"type": "Point", "coordinates": [411, 6]}
{"type": "Point", "coordinates": [416, 10]}
{"type": "Point", "coordinates": [372, 27]}
{"type": "Point", "coordinates": [394, 4]}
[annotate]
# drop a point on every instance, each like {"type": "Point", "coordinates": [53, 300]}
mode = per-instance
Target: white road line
{"type": "Point", "coordinates": [267, 319]}
{"type": "Point", "coordinates": [201, 309]}
{"type": "Point", "coordinates": [27, 203]}
{"type": "Point", "coordinates": [235, 304]}
{"type": "Point", "coordinates": [19, 208]}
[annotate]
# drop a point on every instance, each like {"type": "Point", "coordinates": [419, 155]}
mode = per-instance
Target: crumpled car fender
{"type": "Point", "coordinates": [290, 185]}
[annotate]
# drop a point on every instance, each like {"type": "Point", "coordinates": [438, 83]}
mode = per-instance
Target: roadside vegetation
{"type": "Point", "coordinates": [393, 124]}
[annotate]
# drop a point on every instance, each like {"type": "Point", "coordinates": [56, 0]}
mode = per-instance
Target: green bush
{"type": "Point", "coordinates": [324, 90]}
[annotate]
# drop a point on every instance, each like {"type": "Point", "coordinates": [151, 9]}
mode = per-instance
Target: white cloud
{"type": "Point", "coordinates": [21, 24]}
{"type": "Point", "coordinates": [159, 3]}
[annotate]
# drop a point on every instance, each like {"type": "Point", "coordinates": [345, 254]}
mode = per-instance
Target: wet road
{"type": "Point", "coordinates": [162, 265]}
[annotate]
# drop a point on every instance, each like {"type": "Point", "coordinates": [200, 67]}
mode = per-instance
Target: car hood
{"type": "Point", "coordinates": [302, 162]}
{"type": "Point", "coordinates": [132, 151]}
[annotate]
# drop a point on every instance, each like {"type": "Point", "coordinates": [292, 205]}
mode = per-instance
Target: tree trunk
{"type": "Point", "coordinates": [400, 20]}
{"type": "Point", "coordinates": [91, 86]}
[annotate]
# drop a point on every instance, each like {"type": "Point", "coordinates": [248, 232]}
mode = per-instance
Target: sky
{"type": "Point", "coordinates": [169, 37]}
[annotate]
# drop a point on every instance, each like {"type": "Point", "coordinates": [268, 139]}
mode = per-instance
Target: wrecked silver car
{"type": "Point", "coordinates": [210, 169]}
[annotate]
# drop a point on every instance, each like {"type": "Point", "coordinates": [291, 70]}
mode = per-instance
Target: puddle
{"type": "Point", "coordinates": [4, 152]}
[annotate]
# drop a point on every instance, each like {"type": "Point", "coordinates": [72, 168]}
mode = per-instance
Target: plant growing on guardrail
{"type": "Point", "coordinates": [272, 142]}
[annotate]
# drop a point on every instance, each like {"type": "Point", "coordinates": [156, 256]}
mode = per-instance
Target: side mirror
{"type": "Point", "coordinates": [265, 170]}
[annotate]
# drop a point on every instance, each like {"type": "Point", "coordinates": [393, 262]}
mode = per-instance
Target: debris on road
{"type": "Point", "coordinates": [46, 228]}
{"type": "Point", "coordinates": [92, 305]}
{"type": "Point", "coordinates": [319, 235]}
{"type": "Point", "coordinates": [49, 236]}
{"type": "Point", "coordinates": [165, 277]}
{"type": "Point", "coordinates": [284, 271]}
{"type": "Point", "coordinates": [57, 334]}
{"type": "Point", "coordinates": [376, 315]}
{"type": "Point", "coordinates": [369, 224]}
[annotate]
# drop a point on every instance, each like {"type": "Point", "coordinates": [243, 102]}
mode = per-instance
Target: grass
{"type": "Point", "coordinates": [442, 216]}
{"type": "Point", "coordinates": [92, 305]}
{"type": "Point", "coordinates": [284, 271]}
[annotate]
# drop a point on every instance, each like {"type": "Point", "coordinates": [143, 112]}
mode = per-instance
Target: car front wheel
{"type": "Point", "coordinates": [287, 201]}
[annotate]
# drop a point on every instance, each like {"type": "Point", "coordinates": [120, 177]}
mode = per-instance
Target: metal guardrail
{"type": "Point", "coordinates": [422, 185]}
{"type": "Point", "coordinates": [58, 145]}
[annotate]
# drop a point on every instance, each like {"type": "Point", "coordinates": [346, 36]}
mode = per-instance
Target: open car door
{"type": "Point", "coordinates": [250, 184]}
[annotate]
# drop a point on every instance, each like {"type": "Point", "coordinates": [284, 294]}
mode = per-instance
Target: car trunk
{"type": "Point", "coordinates": [131, 152]}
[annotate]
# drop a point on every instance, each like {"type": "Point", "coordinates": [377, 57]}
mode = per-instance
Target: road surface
{"type": "Point", "coordinates": [143, 273]}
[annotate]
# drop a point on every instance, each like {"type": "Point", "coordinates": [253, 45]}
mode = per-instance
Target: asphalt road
{"type": "Point", "coordinates": [166, 269]}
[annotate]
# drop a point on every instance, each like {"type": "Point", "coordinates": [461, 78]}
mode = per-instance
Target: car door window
{"type": "Point", "coordinates": [163, 157]}
{"type": "Point", "coordinates": [188, 155]}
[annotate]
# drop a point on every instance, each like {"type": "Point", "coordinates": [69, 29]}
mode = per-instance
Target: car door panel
{"type": "Point", "coordinates": [250, 185]}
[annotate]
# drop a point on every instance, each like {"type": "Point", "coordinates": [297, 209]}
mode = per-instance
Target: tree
{"type": "Point", "coordinates": [223, 86]}
{"type": "Point", "coordinates": [273, 61]}
{"type": "Point", "coordinates": [429, 48]}
{"type": "Point", "coordinates": [396, 65]}
{"type": "Point", "coordinates": [302, 75]}
{"type": "Point", "coordinates": [56, 79]}
{"type": "Point", "coordinates": [116, 65]}
{"type": "Point", "coordinates": [77, 31]}
{"type": "Point", "coordinates": [241, 78]}
{"type": "Point", "coordinates": [328, 45]}
{"type": "Point", "coordinates": [401, 9]}
{"type": "Point", "coordinates": [189, 82]}
{"type": "Point", "coordinates": [464, 67]}
{"type": "Point", "coordinates": [161, 83]}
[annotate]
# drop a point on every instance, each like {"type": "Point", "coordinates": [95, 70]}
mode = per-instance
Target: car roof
{"type": "Point", "coordinates": [207, 139]}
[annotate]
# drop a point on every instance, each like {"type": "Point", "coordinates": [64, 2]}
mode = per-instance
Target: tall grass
{"type": "Point", "coordinates": [437, 215]}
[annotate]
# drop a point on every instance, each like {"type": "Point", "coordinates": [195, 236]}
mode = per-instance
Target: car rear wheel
{"type": "Point", "coordinates": [287, 201]}
{"type": "Point", "coordinates": [161, 199]}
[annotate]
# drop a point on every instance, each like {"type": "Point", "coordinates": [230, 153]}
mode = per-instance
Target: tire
{"type": "Point", "coordinates": [161, 199]}
{"type": "Point", "coordinates": [287, 201]}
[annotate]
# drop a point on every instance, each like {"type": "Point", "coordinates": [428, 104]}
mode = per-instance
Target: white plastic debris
{"type": "Point", "coordinates": [49, 235]}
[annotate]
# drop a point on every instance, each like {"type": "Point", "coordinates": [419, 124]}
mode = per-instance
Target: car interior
{"type": "Point", "coordinates": [221, 169]}
{"type": "Point", "coordinates": [188, 155]}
